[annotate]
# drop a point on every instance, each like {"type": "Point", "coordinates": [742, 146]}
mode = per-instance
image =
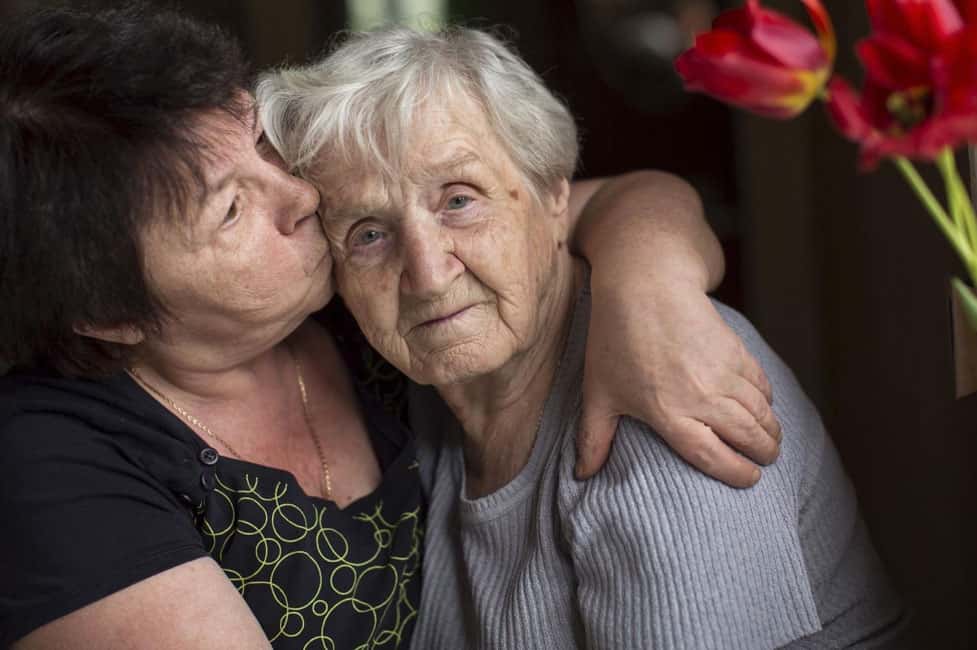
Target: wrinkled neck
{"type": "Point", "coordinates": [500, 411]}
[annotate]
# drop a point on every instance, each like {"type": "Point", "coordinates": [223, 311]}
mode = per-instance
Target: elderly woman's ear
{"type": "Point", "coordinates": [557, 203]}
{"type": "Point", "coordinates": [122, 334]}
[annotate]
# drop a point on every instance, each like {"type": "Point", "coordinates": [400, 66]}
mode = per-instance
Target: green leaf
{"type": "Point", "coordinates": [968, 301]}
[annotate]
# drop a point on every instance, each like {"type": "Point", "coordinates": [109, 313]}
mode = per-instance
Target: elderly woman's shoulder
{"type": "Point", "coordinates": [803, 429]}
{"type": "Point", "coordinates": [640, 455]}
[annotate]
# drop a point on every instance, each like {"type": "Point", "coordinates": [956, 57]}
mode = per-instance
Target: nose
{"type": "Point", "coordinates": [297, 199]}
{"type": "Point", "coordinates": [430, 265]}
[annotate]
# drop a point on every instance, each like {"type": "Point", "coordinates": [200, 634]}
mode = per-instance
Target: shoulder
{"type": "Point", "coordinates": [51, 424]}
{"type": "Point", "coordinates": [89, 493]}
{"type": "Point", "coordinates": [643, 475]}
{"type": "Point", "coordinates": [648, 485]}
{"type": "Point", "coordinates": [804, 435]}
{"type": "Point", "coordinates": [665, 543]}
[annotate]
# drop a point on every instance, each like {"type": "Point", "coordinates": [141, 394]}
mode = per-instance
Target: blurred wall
{"type": "Point", "coordinates": [843, 273]}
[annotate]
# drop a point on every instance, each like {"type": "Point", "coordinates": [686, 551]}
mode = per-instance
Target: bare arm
{"type": "Point", "coordinates": [658, 349]}
{"type": "Point", "coordinates": [191, 606]}
{"type": "Point", "coordinates": [661, 210]}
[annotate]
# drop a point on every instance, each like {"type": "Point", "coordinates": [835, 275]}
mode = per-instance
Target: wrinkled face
{"type": "Point", "coordinates": [447, 268]}
{"type": "Point", "coordinates": [253, 261]}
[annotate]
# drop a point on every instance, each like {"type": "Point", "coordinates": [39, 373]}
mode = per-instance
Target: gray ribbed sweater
{"type": "Point", "coordinates": [650, 553]}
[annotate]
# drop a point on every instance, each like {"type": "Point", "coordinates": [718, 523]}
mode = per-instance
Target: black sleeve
{"type": "Point", "coordinates": [81, 519]}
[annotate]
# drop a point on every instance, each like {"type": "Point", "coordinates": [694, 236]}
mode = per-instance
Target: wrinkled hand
{"type": "Point", "coordinates": [667, 357]}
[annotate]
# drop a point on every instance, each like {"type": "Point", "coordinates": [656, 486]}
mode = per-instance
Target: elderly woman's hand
{"type": "Point", "coordinates": [657, 349]}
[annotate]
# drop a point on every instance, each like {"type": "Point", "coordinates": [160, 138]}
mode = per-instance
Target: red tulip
{"type": "Point", "coordinates": [968, 9]}
{"type": "Point", "coordinates": [761, 60]}
{"type": "Point", "coordinates": [920, 92]}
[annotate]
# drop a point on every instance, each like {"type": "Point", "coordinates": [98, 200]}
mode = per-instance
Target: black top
{"type": "Point", "coordinates": [101, 487]}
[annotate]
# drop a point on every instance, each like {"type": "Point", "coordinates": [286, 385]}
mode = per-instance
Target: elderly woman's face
{"type": "Point", "coordinates": [446, 269]}
{"type": "Point", "coordinates": [253, 261]}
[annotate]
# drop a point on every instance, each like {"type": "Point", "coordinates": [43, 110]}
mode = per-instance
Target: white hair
{"type": "Point", "coordinates": [360, 101]}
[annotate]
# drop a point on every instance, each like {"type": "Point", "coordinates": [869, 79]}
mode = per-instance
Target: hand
{"type": "Point", "coordinates": [665, 356]}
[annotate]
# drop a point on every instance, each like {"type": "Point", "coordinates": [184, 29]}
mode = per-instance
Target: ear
{"type": "Point", "coordinates": [123, 334]}
{"type": "Point", "coordinates": [558, 205]}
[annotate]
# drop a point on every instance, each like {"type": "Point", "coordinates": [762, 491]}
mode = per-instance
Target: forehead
{"type": "Point", "coordinates": [224, 134]}
{"type": "Point", "coordinates": [444, 138]}
{"type": "Point", "coordinates": [198, 166]}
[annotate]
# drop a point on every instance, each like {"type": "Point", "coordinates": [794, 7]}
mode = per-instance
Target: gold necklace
{"type": "Point", "coordinates": [196, 423]}
{"type": "Point", "coordinates": [326, 475]}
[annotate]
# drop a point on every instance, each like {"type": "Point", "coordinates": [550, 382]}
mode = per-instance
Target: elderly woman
{"type": "Point", "coordinates": [446, 200]}
{"type": "Point", "coordinates": [185, 458]}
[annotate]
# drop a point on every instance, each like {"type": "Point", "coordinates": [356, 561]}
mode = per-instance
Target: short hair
{"type": "Point", "coordinates": [97, 113]}
{"type": "Point", "coordinates": [359, 101]}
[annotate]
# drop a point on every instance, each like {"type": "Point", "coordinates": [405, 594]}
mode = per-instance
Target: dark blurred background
{"type": "Point", "coordinates": [842, 272]}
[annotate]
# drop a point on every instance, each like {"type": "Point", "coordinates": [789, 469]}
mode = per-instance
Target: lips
{"type": "Point", "coordinates": [429, 320]}
{"type": "Point", "coordinates": [438, 320]}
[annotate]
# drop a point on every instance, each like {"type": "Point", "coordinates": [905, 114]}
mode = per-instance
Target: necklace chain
{"type": "Point", "coordinates": [197, 424]}
{"type": "Point", "coordinates": [326, 474]}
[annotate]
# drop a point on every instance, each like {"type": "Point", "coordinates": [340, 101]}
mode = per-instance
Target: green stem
{"type": "Point", "coordinates": [960, 203]}
{"type": "Point", "coordinates": [947, 165]}
{"type": "Point", "coordinates": [955, 237]}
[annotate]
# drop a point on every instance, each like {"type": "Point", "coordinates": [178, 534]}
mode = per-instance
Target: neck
{"type": "Point", "coordinates": [209, 384]}
{"type": "Point", "coordinates": [500, 412]}
{"type": "Point", "coordinates": [241, 401]}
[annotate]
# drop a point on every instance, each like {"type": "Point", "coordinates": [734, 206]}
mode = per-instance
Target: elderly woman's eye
{"type": "Point", "coordinates": [232, 212]}
{"type": "Point", "coordinates": [458, 201]}
{"type": "Point", "coordinates": [368, 236]}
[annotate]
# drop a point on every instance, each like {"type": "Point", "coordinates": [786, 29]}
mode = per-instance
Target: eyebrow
{"type": "Point", "coordinates": [345, 214]}
{"type": "Point", "coordinates": [454, 164]}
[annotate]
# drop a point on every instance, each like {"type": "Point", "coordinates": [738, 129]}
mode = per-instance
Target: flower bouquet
{"type": "Point", "coordinates": [918, 101]}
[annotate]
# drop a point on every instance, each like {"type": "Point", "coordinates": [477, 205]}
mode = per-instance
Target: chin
{"type": "Point", "coordinates": [457, 367]}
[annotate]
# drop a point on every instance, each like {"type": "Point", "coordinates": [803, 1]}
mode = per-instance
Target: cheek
{"type": "Point", "coordinates": [263, 272]}
{"type": "Point", "coordinates": [507, 261]}
{"type": "Point", "coordinates": [371, 296]}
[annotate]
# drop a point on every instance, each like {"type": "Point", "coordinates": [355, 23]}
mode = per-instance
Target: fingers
{"type": "Point", "coordinates": [699, 446]}
{"type": "Point", "coordinates": [756, 404]}
{"type": "Point", "coordinates": [598, 424]}
{"type": "Point", "coordinates": [754, 374]}
{"type": "Point", "coordinates": [737, 427]}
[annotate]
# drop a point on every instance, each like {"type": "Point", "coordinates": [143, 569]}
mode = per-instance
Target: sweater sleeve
{"type": "Point", "coordinates": [668, 558]}
{"type": "Point", "coordinates": [82, 519]}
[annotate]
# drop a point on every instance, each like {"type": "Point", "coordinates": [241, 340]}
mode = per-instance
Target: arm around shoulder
{"type": "Point", "coordinates": [657, 349]}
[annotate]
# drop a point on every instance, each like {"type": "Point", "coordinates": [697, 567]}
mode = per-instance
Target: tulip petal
{"type": "Point", "coordinates": [760, 87]}
{"type": "Point", "coordinates": [779, 37]}
{"type": "Point", "coordinates": [924, 23]}
{"type": "Point", "coordinates": [825, 29]}
{"type": "Point", "coordinates": [844, 107]}
{"type": "Point", "coordinates": [968, 10]}
{"type": "Point", "coordinates": [893, 62]}
{"type": "Point", "coordinates": [955, 75]}
{"type": "Point", "coordinates": [948, 131]}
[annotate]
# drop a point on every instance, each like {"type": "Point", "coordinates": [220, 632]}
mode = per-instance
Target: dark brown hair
{"type": "Point", "coordinates": [96, 141]}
